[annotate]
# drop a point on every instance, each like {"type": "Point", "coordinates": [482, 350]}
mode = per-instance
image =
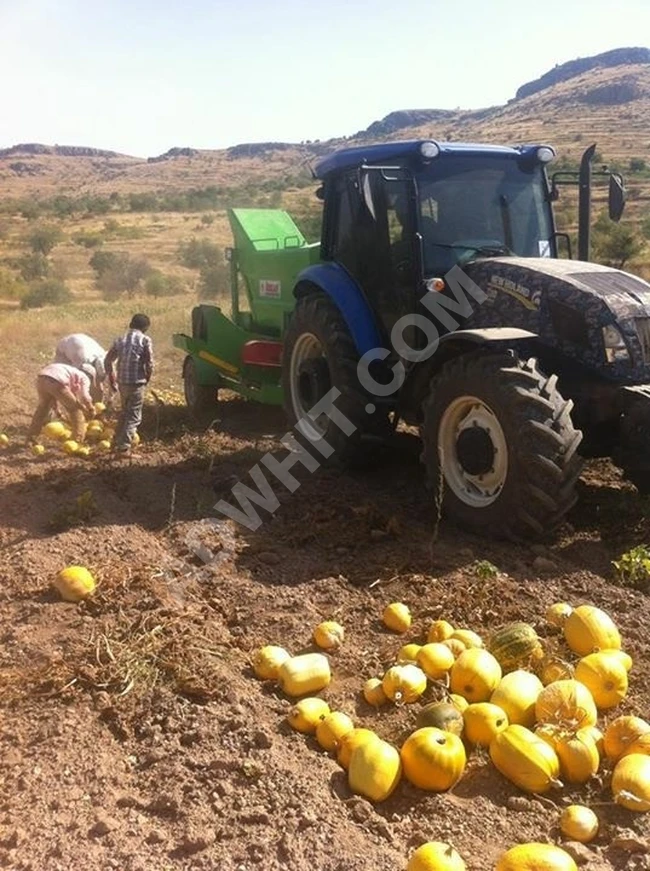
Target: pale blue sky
{"type": "Point", "coordinates": [140, 76]}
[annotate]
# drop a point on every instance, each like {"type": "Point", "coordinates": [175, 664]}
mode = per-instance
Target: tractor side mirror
{"type": "Point", "coordinates": [616, 199]}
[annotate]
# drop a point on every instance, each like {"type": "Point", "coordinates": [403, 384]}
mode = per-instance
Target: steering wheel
{"type": "Point", "coordinates": [475, 246]}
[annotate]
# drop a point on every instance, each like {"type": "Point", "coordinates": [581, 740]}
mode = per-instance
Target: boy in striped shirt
{"type": "Point", "coordinates": [133, 355]}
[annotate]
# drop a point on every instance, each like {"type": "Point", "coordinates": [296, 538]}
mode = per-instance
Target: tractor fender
{"type": "Point", "coordinates": [349, 299]}
{"type": "Point", "coordinates": [451, 345]}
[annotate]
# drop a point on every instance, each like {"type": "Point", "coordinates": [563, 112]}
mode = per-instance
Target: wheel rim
{"type": "Point", "coordinates": [474, 451]}
{"type": "Point", "coordinates": [309, 382]}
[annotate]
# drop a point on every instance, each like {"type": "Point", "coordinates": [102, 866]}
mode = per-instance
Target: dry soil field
{"type": "Point", "coordinates": [133, 733]}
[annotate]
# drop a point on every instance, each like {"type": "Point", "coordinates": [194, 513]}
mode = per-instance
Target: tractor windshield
{"type": "Point", "coordinates": [482, 206]}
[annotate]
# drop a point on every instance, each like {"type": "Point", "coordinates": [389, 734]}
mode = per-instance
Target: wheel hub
{"type": "Point", "coordinates": [473, 451]}
{"type": "Point", "coordinates": [313, 381]}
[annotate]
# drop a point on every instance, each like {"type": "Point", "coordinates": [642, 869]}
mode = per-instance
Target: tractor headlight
{"type": "Point", "coordinates": [429, 150]}
{"type": "Point", "coordinates": [545, 154]}
{"type": "Point", "coordinates": [615, 347]}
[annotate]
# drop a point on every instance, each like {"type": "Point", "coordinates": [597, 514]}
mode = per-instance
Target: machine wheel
{"type": "Point", "coordinates": [319, 354]}
{"type": "Point", "coordinates": [500, 446]}
{"type": "Point", "coordinates": [201, 399]}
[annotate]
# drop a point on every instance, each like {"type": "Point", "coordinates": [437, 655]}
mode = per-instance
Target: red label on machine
{"type": "Point", "coordinates": [270, 289]}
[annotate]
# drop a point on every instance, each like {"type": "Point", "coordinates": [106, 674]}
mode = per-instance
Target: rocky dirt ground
{"type": "Point", "coordinates": [133, 734]}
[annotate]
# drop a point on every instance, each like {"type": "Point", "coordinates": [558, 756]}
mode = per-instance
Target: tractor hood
{"type": "Point", "coordinates": [567, 303]}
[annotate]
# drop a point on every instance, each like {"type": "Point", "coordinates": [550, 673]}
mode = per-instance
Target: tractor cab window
{"type": "Point", "coordinates": [470, 204]}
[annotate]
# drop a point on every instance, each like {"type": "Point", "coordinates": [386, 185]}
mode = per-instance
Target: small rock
{"type": "Point", "coordinates": [103, 825]}
{"type": "Point", "coordinates": [630, 843]}
{"type": "Point", "coordinates": [194, 842]}
{"type": "Point", "coordinates": [262, 739]}
{"type": "Point", "coordinates": [580, 853]}
{"type": "Point", "coordinates": [156, 836]}
{"type": "Point", "coordinates": [362, 810]}
{"type": "Point", "coordinates": [519, 803]}
{"type": "Point", "coordinates": [191, 737]}
{"type": "Point", "coordinates": [543, 564]}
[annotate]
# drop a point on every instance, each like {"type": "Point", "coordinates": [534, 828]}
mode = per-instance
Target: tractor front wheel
{"type": "Point", "coordinates": [201, 399]}
{"type": "Point", "coordinates": [499, 446]}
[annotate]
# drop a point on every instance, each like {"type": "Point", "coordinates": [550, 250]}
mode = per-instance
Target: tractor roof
{"type": "Point", "coordinates": [348, 158]}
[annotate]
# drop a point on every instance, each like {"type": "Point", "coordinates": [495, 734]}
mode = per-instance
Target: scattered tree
{"type": "Point", "coordinates": [48, 292]}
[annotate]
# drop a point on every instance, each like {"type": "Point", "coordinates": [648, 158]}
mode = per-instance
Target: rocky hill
{"type": "Point", "coordinates": [603, 99]}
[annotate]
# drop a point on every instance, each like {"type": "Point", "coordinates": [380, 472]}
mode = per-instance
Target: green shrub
{"type": "Point", "coordinates": [213, 281]}
{"type": "Point", "coordinates": [33, 266]}
{"type": "Point", "coordinates": [633, 568]}
{"type": "Point", "coordinates": [123, 276]}
{"type": "Point", "coordinates": [89, 240]}
{"type": "Point", "coordinates": [44, 238]}
{"type": "Point", "coordinates": [200, 254]}
{"type": "Point", "coordinates": [159, 284]}
{"type": "Point", "coordinates": [48, 292]}
{"type": "Point", "coordinates": [637, 164]}
{"type": "Point", "coordinates": [11, 287]}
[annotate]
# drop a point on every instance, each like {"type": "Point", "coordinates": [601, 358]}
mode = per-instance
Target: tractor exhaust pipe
{"type": "Point", "coordinates": [584, 203]}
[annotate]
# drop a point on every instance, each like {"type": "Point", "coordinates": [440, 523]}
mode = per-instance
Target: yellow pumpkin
{"type": "Point", "coordinates": [621, 734]}
{"type": "Point", "coordinates": [329, 635]}
{"type": "Point", "coordinates": [558, 613]}
{"type": "Point", "coordinates": [349, 741]}
{"type": "Point", "coordinates": [304, 674]}
{"type": "Point", "coordinates": [38, 450]}
{"type": "Point", "coordinates": [4, 440]}
{"type": "Point", "coordinates": [74, 583]}
{"type": "Point", "coordinates": [436, 856]}
{"type": "Point", "coordinates": [70, 446]}
{"type": "Point", "coordinates": [588, 629]}
{"type": "Point", "coordinates": [475, 675]}
{"type": "Point", "coordinates": [483, 721]}
{"type": "Point", "coordinates": [373, 692]}
{"type": "Point", "coordinates": [408, 653]}
{"type": "Point", "coordinates": [404, 684]}
{"type": "Point", "coordinates": [525, 759]}
{"type": "Point", "coordinates": [331, 728]}
{"type": "Point", "coordinates": [566, 703]}
{"type": "Point", "coordinates": [53, 430]}
{"type": "Point", "coordinates": [468, 637]}
{"type": "Point", "coordinates": [624, 658]}
{"type": "Point", "coordinates": [605, 677]}
{"type": "Point", "coordinates": [536, 857]}
{"type": "Point", "coordinates": [397, 617]}
{"type": "Point", "coordinates": [641, 745]}
{"type": "Point", "coordinates": [553, 668]}
{"type": "Point", "coordinates": [631, 782]}
{"type": "Point", "coordinates": [455, 645]}
{"type": "Point", "coordinates": [579, 823]}
{"type": "Point", "coordinates": [439, 630]}
{"type": "Point", "coordinates": [516, 694]}
{"type": "Point", "coordinates": [375, 769]}
{"type": "Point", "coordinates": [458, 702]}
{"type": "Point", "coordinates": [307, 713]}
{"type": "Point", "coordinates": [433, 759]}
{"type": "Point", "coordinates": [578, 754]}
{"type": "Point", "coordinates": [435, 660]}
{"type": "Point", "coordinates": [267, 661]}
{"type": "Point", "coordinates": [598, 738]}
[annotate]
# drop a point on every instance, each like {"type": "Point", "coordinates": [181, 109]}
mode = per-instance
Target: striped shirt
{"type": "Point", "coordinates": [69, 376]}
{"type": "Point", "coordinates": [134, 354]}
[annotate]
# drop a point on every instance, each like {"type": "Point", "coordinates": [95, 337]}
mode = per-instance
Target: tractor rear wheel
{"type": "Point", "coordinates": [499, 446]}
{"type": "Point", "coordinates": [633, 453]}
{"type": "Point", "coordinates": [201, 399]}
{"type": "Point", "coordinates": [320, 354]}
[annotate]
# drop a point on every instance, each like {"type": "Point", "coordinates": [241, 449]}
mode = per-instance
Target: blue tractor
{"type": "Point", "coordinates": [440, 299]}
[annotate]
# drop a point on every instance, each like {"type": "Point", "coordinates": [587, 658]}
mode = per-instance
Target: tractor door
{"type": "Point", "coordinates": [371, 233]}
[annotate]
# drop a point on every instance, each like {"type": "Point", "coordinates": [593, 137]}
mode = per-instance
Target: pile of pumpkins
{"type": "Point", "coordinates": [99, 435]}
{"type": "Point", "coordinates": [535, 714]}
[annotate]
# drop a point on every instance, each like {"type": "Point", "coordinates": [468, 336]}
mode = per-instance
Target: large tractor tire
{"type": "Point", "coordinates": [500, 446]}
{"type": "Point", "coordinates": [319, 354]}
{"type": "Point", "coordinates": [201, 399]}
